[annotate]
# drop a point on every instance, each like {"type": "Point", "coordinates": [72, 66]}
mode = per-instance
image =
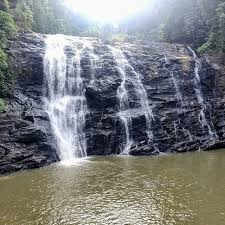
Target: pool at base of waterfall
{"type": "Point", "coordinates": [178, 189]}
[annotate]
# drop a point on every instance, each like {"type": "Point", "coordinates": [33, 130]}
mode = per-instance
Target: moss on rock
{"type": "Point", "coordinates": [2, 105]}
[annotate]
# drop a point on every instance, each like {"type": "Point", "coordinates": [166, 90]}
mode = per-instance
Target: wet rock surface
{"type": "Point", "coordinates": [26, 137]}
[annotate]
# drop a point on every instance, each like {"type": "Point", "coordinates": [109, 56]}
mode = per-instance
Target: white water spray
{"type": "Point", "coordinates": [175, 83]}
{"type": "Point", "coordinates": [198, 91]}
{"type": "Point", "coordinates": [65, 96]}
{"type": "Point", "coordinates": [122, 94]}
{"type": "Point", "coordinates": [94, 59]}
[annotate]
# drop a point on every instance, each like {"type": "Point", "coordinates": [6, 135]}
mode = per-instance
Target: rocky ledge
{"type": "Point", "coordinates": [26, 139]}
{"type": "Point", "coordinates": [168, 75]}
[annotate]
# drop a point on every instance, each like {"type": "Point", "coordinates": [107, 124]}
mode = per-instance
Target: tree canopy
{"type": "Point", "coordinates": [195, 22]}
{"type": "Point", "coordinates": [200, 23]}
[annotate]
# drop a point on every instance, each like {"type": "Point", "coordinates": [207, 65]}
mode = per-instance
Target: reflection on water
{"type": "Point", "coordinates": [187, 189]}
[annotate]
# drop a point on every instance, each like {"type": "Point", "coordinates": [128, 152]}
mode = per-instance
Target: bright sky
{"type": "Point", "coordinates": [111, 11]}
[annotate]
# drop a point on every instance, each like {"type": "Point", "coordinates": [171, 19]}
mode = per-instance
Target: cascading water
{"type": "Point", "coordinates": [175, 83]}
{"type": "Point", "coordinates": [179, 98]}
{"type": "Point", "coordinates": [125, 68]}
{"type": "Point", "coordinates": [66, 102]}
{"type": "Point", "coordinates": [93, 60]}
{"type": "Point", "coordinates": [122, 95]}
{"type": "Point", "coordinates": [198, 91]}
{"type": "Point", "coordinates": [142, 95]}
{"type": "Point", "coordinates": [65, 96]}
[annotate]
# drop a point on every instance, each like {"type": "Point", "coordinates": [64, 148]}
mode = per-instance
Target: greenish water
{"type": "Point", "coordinates": [186, 189]}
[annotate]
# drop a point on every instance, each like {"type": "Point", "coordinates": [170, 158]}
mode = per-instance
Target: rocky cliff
{"type": "Point", "coordinates": [187, 112]}
{"type": "Point", "coordinates": [26, 139]}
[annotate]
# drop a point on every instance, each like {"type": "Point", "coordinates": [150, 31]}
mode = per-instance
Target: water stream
{"type": "Point", "coordinates": [197, 83]}
{"type": "Point", "coordinates": [65, 97]}
{"type": "Point", "coordinates": [179, 97]}
{"type": "Point", "coordinates": [128, 74]}
{"type": "Point", "coordinates": [94, 59]}
{"type": "Point", "coordinates": [122, 95]}
{"type": "Point", "coordinates": [175, 83]}
{"type": "Point", "coordinates": [66, 103]}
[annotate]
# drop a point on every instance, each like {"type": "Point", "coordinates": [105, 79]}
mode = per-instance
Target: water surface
{"type": "Point", "coordinates": [186, 189]}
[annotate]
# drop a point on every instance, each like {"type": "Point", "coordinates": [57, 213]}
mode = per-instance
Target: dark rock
{"type": "Point", "coordinates": [26, 138]}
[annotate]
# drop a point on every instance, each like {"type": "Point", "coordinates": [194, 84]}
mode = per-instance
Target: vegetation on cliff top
{"type": "Point", "coordinates": [7, 30]}
{"type": "Point", "coordinates": [198, 23]}
{"type": "Point", "coordinates": [194, 22]}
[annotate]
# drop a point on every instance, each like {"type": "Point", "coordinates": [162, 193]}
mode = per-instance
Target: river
{"type": "Point", "coordinates": [178, 189]}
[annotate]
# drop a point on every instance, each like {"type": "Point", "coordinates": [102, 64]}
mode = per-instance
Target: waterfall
{"type": "Point", "coordinates": [94, 62]}
{"type": "Point", "coordinates": [175, 83]}
{"type": "Point", "coordinates": [197, 83]}
{"type": "Point", "coordinates": [122, 96]}
{"type": "Point", "coordinates": [65, 96]}
{"type": "Point", "coordinates": [128, 74]}
{"type": "Point", "coordinates": [66, 103]}
{"type": "Point", "coordinates": [178, 96]}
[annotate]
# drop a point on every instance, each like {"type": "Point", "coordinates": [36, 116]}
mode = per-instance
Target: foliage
{"type": "Point", "coordinates": [51, 17]}
{"type": "Point", "coordinates": [6, 79]}
{"type": "Point", "coordinates": [2, 105]}
{"type": "Point", "coordinates": [217, 36]}
{"type": "Point", "coordinates": [3, 73]}
{"type": "Point", "coordinates": [3, 61]}
{"type": "Point", "coordinates": [43, 17]}
{"type": "Point", "coordinates": [23, 16]}
{"type": "Point", "coordinates": [204, 48]}
{"type": "Point", "coordinates": [7, 30]}
{"type": "Point", "coordinates": [7, 24]}
{"type": "Point", "coordinates": [193, 22]}
{"type": "Point", "coordinates": [157, 34]}
{"type": "Point", "coordinates": [200, 23]}
{"type": "Point", "coordinates": [190, 21]}
{"type": "Point", "coordinates": [120, 37]}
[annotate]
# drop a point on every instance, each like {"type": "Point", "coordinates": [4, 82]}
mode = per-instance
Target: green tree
{"type": "Point", "coordinates": [7, 30]}
{"type": "Point", "coordinates": [3, 73]}
{"type": "Point", "coordinates": [7, 24]}
{"type": "Point", "coordinates": [23, 15]}
{"type": "Point", "coordinates": [217, 36]}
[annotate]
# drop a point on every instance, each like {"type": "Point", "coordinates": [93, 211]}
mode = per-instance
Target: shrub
{"type": "Point", "coordinates": [7, 30]}
{"type": "Point", "coordinates": [2, 105]}
{"type": "Point", "coordinates": [204, 48]}
{"type": "Point", "coordinates": [3, 61]}
{"type": "Point", "coordinates": [216, 40]}
{"type": "Point", "coordinates": [23, 16]}
{"type": "Point", "coordinates": [7, 24]}
{"type": "Point", "coordinates": [3, 39]}
{"type": "Point", "coordinates": [4, 74]}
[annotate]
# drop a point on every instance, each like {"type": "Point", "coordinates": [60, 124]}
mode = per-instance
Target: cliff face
{"type": "Point", "coordinates": [187, 114]}
{"type": "Point", "coordinates": [26, 139]}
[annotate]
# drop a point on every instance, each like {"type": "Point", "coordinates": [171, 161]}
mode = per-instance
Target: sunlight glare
{"type": "Point", "coordinates": [107, 10]}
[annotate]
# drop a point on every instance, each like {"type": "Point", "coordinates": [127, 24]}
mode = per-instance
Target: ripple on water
{"type": "Point", "coordinates": [170, 190]}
